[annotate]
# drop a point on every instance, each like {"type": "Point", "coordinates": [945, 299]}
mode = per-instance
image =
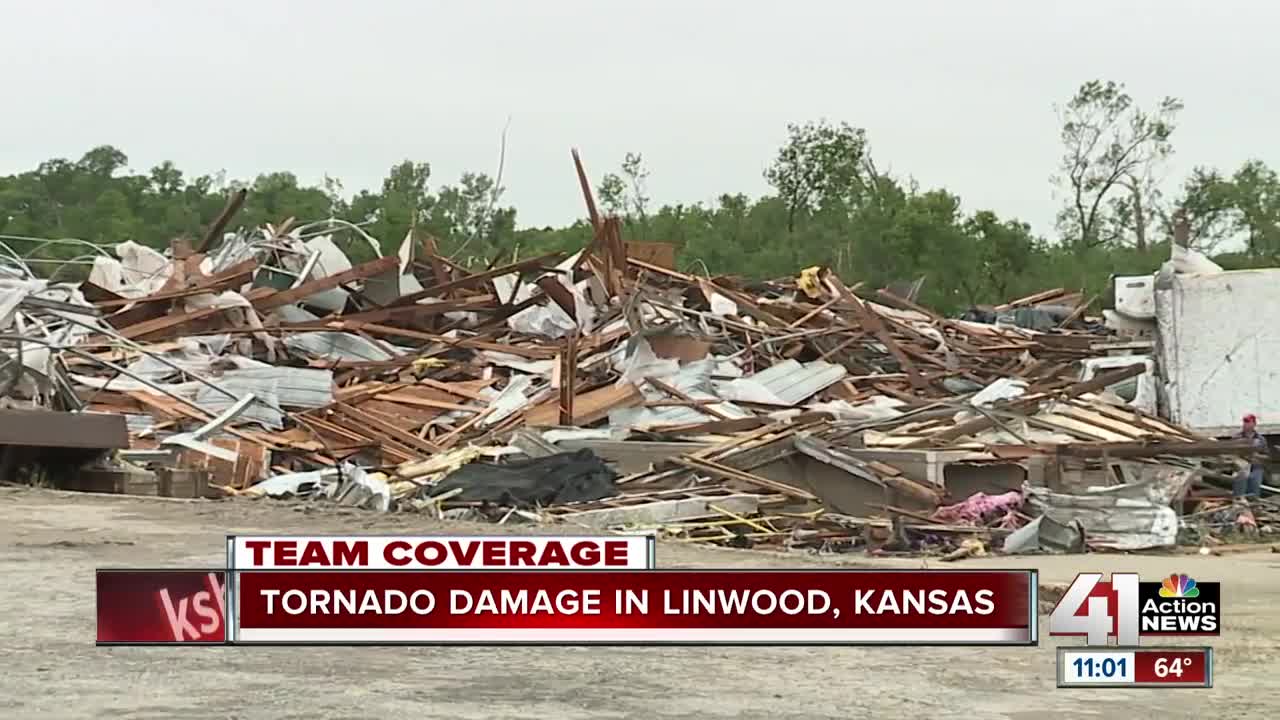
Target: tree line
{"type": "Point", "coordinates": [829, 204]}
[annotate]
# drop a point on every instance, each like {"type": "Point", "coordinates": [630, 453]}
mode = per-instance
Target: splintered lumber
{"type": "Point", "coordinates": [986, 421]}
{"type": "Point", "coordinates": [1032, 299]}
{"type": "Point", "coordinates": [905, 304]}
{"type": "Point", "coordinates": [234, 202]}
{"type": "Point", "coordinates": [565, 380]}
{"type": "Point", "coordinates": [559, 294]}
{"type": "Point", "coordinates": [307, 289]}
{"type": "Point", "coordinates": [239, 274]}
{"type": "Point", "coordinates": [164, 323]}
{"type": "Point", "coordinates": [725, 472]}
{"type": "Point", "coordinates": [875, 472]}
{"type": "Point", "coordinates": [657, 512]}
{"type": "Point", "coordinates": [1138, 449]}
{"type": "Point", "coordinates": [526, 350]}
{"type": "Point", "coordinates": [684, 398]}
{"type": "Point", "coordinates": [471, 282]}
{"type": "Point", "coordinates": [592, 213]}
{"type": "Point", "coordinates": [372, 422]}
{"type": "Point", "coordinates": [1079, 311]}
{"type": "Point", "coordinates": [872, 323]}
{"type": "Point", "coordinates": [480, 302]}
{"type": "Point", "coordinates": [588, 407]}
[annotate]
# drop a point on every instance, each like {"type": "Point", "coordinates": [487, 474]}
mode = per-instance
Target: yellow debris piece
{"type": "Point", "coordinates": [808, 282]}
{"type": "Point", "coordinates": [427, 363]}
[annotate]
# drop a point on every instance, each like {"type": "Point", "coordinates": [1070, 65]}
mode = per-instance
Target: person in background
{"type": "Point", "coordinates": [1249, 483]}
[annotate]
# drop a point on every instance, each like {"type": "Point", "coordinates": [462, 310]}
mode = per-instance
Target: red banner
{"type": "Point", "coordinates": [161, 606]}
{"type": "Point", "coordinates": [643, 607]}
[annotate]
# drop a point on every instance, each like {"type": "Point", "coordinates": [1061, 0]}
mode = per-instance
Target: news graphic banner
{"type": "Point", "coordinates": [636, 606]}
{"type": "Point", "coordinates": [1164, 667]}
{"type": "Point", "coordinates": [546, 590]}
{"type": "Point", "coordinates": [429, 552]}
{"type": "Point", "coordinates": [1126, 609]}
{"type": "Point", "coordinates": [149, 607]}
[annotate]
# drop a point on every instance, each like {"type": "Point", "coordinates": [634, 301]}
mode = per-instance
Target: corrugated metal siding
{"type": "Point", "coordinates": [787, 383]}
{"type": "Point", "coordinates": [694, 381]}
{"type": "Point", "coordinates": [293, 387]}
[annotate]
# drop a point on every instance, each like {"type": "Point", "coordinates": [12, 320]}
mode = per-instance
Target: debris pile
{"type": "Point", "coordinates": [606, 391]}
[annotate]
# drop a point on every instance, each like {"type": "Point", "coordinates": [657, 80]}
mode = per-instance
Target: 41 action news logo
{"type": "Point", "coordinates": [1125, 608]}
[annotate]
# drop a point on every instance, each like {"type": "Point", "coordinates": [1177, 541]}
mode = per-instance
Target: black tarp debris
{"type": "Point", "coordinates": [562, 478]}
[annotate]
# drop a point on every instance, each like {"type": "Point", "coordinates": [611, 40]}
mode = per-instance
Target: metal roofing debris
{"type": "Point", "coordinates": [693, 380]}
{"type": "Point", "coordinates": [330, 345]}
{"type": "Point", "coordinates": [291, 387]}
{"type": "Point", "coordinates": [787, 383]}
{"type": "Point", "coordinates": [195, 439]}
{"type": "Point", "coordinates": [265, 411]}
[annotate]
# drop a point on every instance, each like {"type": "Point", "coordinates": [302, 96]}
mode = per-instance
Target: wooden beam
{"type": "Point", "coordinates": [234, 202]}
{"type": "Point", "coordinates": [381, 315]}
{"type": "Point", "coordinates": [234, 276]}
{"type": "Point", "coordinates": [709, 467]}
{"type": "Point", "coordinates": [592, 213]}
{"type": "Point", "coordinates": [566, 379]}
{"type": "Point", "coordinates": [313, 287]}
{"type": "Point", "coordinates": [1140, 449]}
{"type": "Point", "coordinates": [872, 323]}
{"type": "Point", "coordinates": [398, 434]}
{"type": "Point", "coordinates": [475, 279]}
{"type": "Point", "coordinates": [677, 394]}
{"type": "Point", "coordinates": [1024, 404]}
{"type": "Point", "coordinates": [166, 322]}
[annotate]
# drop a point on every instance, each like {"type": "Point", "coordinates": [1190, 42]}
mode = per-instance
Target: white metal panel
{"type": "Point", "coordinates": [1143, 386]}
{"type": "Point", "coordinates": [1220, 349]}
{"type": "Point", "coordinates": [1135, 296]}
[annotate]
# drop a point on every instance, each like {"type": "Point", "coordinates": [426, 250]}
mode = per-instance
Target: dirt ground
{"type": "Point", "coordinates": [52, 542]}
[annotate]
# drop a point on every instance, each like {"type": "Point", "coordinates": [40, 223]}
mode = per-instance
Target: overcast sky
{"type": "Point", "coordinates": [954, 93]}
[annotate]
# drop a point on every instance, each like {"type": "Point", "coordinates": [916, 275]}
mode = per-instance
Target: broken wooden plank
{"type": "Point", "coordinates": [872, 323]}
{"type": "Point", "coordinates": [1023, 404]}
{"type": "Point", "coordinates": [660, 512]}
{"type": "Point", "coordinates": [405, 438]}
{"type": "Point", "coordinates": [381, 315]}
{"type": "Point", "coordinates": [588, 407]}
{"type": "Point", "coordinates": [239, 274]}
{"type": "Point", "coordinates": [1204, 448]}
{"type": "Point", "coordinates": [313, 287]}
{"type": "Point", "coordinates": [155, 326]}
{"type": "Point", "coordinates": [677, 394]}
{"type": "Point", "coordinates": [474, 280]}
{"type": "Point", "coordinates": [235, 201]}
{"type": "Point", "coordinates": [724, 472]}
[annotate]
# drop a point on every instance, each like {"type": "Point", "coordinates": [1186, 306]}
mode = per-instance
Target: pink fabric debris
{"type": "Point", "coordinates": [977, 507]}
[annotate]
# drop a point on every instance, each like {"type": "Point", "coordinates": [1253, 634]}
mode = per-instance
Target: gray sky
{"type": "Point", "coordinates": [957, 94]}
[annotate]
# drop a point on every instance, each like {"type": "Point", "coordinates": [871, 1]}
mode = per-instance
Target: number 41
{"type": "Point", "coordinates": [1095, 624]}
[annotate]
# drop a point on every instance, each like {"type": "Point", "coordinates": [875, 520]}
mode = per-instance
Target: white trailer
{"type": "Point", "coordinates": [1218, 347]}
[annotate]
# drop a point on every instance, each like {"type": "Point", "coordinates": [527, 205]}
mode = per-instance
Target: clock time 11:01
{"type": "Point", "coordinates": [1107, 667]}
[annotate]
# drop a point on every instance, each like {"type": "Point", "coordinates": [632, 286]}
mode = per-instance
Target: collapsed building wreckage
{"type": "Point", "coordinates": [599, 390]}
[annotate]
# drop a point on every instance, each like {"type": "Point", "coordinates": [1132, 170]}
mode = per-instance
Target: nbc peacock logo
{"type": "Point", "coordinates": [1179, 586]}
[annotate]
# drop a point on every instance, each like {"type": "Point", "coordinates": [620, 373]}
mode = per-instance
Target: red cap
{"type": "Point", "coordinates": [1251, 418]}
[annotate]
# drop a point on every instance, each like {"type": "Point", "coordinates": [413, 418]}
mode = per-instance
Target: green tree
{"type": "Point", "coordinates": [1111, 152]}
{"type": "Point", "coordinates": [820, 163]}
{"type": "Point", "coordinates": [1006, 254]}
{"type": "Point", "coordinates": [1244, 206]}
{"type": "Point", "coordinates": [466, 218]}
{"type": "Point", "coordinates": [403, 203]}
